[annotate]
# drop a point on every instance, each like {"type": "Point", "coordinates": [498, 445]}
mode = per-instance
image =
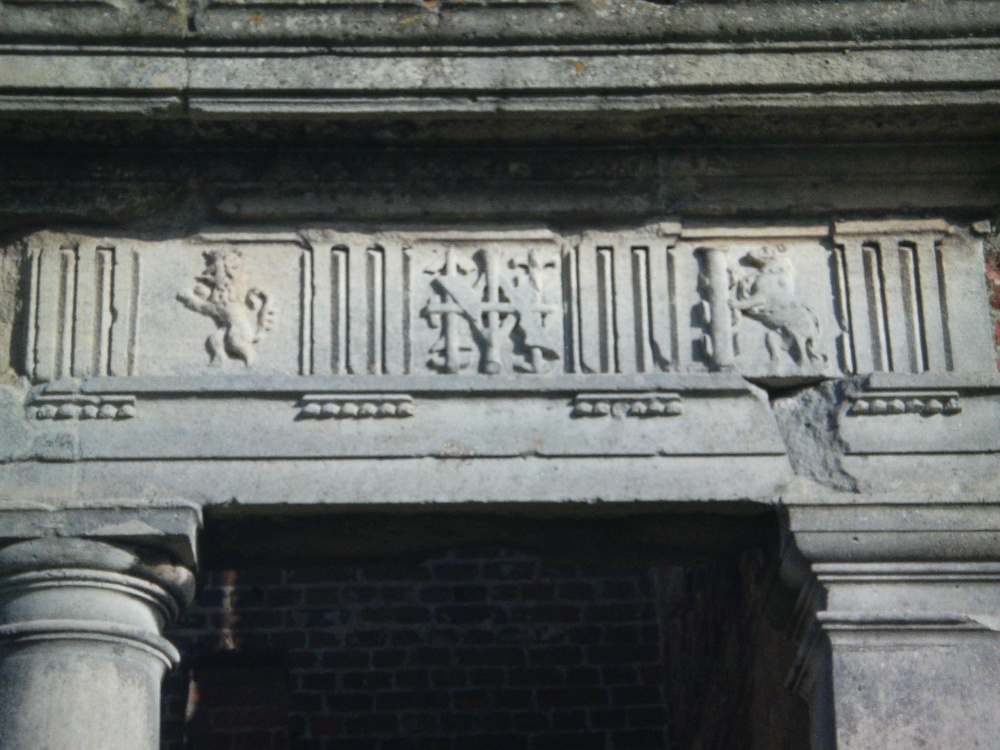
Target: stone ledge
{"type": "Point", "coordinates": [170, 527]}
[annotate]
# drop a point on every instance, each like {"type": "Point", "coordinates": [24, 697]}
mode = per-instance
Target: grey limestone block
{"type": "Point", "coordinates": [567, 58]}
{"type": "Point", "coordinates": [770, 302]}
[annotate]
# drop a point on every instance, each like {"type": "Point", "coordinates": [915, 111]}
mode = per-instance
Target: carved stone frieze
{"type": "Point", "coordinates": [773, 302]}
{"type": "Point", "coordinates": [907, 297]}
{"type": "Point", "coordinates": [762, 287]}
{"type": "Point", "coordinates": [497, 310]}
{"type": "Point", "coordinates": [757, 317]}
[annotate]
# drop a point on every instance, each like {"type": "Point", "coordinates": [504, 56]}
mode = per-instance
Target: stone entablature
{"type": "Point", "coordinates": [449, 277]}
{"type": "Point", "coordinates": [521, 353]}
{"type": "Point", "coordinates": [768, 302]}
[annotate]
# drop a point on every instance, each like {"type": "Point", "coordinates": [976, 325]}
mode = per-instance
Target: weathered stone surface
{"type": "Point", "coordinates": [536, 255]}
{"type": "Point", "coordinates": [509, 20]}
{"type": "Point", "coordinates": [516, 347]}
{"type": "Point", "coordinates": [172, 182]}
{"type": "Point", "coordinates": [171, 527]}
{"type": "Point", "coordinates": [420, 59]}
{"type": "Point", "coordinates": [896, 297]}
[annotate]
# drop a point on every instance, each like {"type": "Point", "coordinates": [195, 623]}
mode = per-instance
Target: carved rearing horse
{"type": "Point", "coordinates": [769, 297]}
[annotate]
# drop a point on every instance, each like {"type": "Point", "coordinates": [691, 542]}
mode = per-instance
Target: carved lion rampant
{"type": "Point", "coordinates": [766, 293]}
{"type": "Point", "coordinates": [243, 315]}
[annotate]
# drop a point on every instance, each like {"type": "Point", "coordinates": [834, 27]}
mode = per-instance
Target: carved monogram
{"type": "Point", "coordinates": [496, 304]}
{"type": "Point", "coordinates": [762, 287]}
{"type": "Point", "coordinates": [242, 313]}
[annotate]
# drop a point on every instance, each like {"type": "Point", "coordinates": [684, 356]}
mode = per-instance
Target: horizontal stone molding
{"type": "Point", "coordinates": [929, 403]}
{"type": "Point", "coordinates": [152, 595]}
{"type": "Point", "coordinates": [533, 182]}
{"type": "Point", "coordinates": [909, 572]}
{"type": "Point", "coordinates": [619, 405]}
{"type": "Point", "coordinates": [462, 470]}
{"type": "Point", "coordinates": [896, 534]}
{"type": "Point", "coordinates": [357, 406]}
{"type": "Point", "coordinates": [14, 635]}
{"type": "Point", "coordinates": [589, 80]}
{"type": "Point", "coordinates": [904, 625]}
{"type": "Point", "coordinates": [721, 384]}
{"type": "Point", "coordinates": [82, 407]}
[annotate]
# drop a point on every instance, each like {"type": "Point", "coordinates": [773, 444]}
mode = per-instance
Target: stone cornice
{"type": "Point", "coordinates": [414, 22]}
{"type": "Point", "coordinates": [309, 81]}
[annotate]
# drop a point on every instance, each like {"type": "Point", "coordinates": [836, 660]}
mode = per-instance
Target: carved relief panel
{"type": "Point", "coordinates": [908, 292]}
{"type": "Point", "coordinates": [84, 305]}
{"type": "Point", "coordinates": [488, 305]}
{"type": "Point", "coordinates": [768, 302]}
{"type": "Point", "coordinates": [120, 306]}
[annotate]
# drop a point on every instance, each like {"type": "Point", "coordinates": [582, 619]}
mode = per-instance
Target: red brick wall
{"type": "Point", "coordinates": [726, 662]}
{"type": "Point", "coordinates": [484, 649]}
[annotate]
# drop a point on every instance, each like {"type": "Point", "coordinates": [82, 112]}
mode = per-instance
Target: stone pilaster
{"type": "Point", "coordinates": [82, 654]}
{"type": "Point", "coordinates": [899, 623]}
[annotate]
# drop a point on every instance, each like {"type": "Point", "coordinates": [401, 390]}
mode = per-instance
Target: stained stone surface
{"type": "Point", "coordinates": [712, 257]}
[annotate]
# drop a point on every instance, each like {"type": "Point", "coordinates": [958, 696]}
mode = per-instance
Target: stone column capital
{"type": "Point", "coordinates": [897, 617]}
{"type": "Point", "coordinates": [169, 527]}
{"type": "Point", "coordinates": [845, 529]}
{"type": "Point", "coordinates": [84, 596]}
